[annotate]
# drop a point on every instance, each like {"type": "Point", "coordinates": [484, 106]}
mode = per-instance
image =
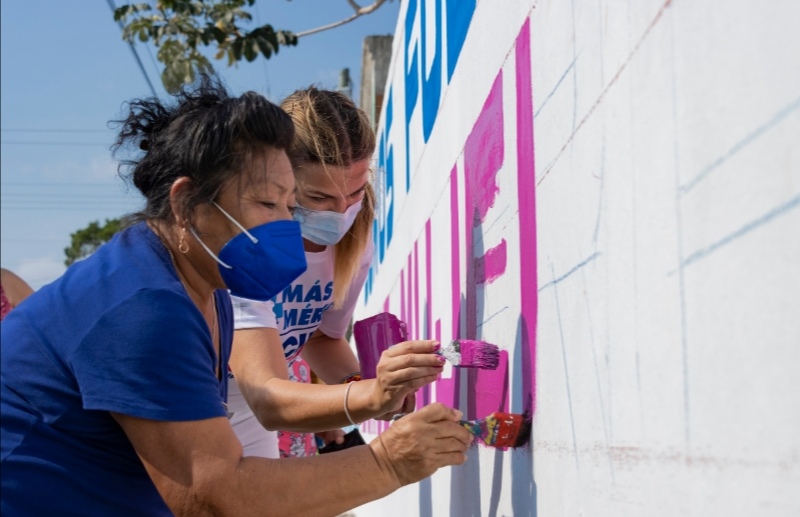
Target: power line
{"type": "Point", "coordinates": [147, 47]}
{"type": "Point", "coordinates": [6, 130]}
{"type": "Point", "coordinates": [111, 200]}
{"type": "Point", "coordinates": [63, 209]}
{"type": "Point", "coordinates": [70, 201]}
{"type": "Point", "coordinates": [26, 142]}
{"type": "Point", "coordinates": [263, 61]}
{"type": "Point", "coordinates": [133, 49]}
{"type": "Point", "coordinates": [43, 191]}
{"type": "Point", "coordinates": [52, 184]}
{"type": "Point", "coordinates": [54, 239]}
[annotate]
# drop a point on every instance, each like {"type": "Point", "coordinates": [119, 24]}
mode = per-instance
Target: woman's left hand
{"type": "Point", "coordinates": [336, 435]}
{"type": "Point", "coordinates": [409, 405]}
{"type": "Point", "coordinates": [401, 371]}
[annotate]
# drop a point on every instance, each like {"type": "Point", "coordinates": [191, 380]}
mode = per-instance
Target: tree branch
{"type": "Point", "coordinates": [359, 11]}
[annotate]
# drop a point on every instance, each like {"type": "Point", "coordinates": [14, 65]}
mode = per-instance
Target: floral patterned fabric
{"type": "Point", "coordinates": [295, 445]}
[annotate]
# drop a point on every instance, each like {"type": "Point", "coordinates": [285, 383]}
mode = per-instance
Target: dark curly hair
{"type": "Point", "coordinates": [206, 135]}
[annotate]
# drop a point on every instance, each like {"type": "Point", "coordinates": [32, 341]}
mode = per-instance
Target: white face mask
{"type": "Point", "coordinates": [324, 227]}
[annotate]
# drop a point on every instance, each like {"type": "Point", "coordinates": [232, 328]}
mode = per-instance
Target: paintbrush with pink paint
{"type": "Point", "coordinates": [501, 429]}
{"type": "Point", "coordinates": [470, 353]}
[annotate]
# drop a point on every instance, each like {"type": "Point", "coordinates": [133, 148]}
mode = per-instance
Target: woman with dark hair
{"type": "Point", "coordinates": [113, 379]}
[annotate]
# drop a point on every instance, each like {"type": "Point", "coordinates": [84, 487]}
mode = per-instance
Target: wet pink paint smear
{"type": "Point", "coordinates": [386, 305]}
{"type": "Point", "coordinates": [483, 156]}
{"type": "Point", "coordinates": [492, 388]}
{"type": "Point", "coordinates": [526, 191]}
{"type": "Point", "coordinates": [492, 265]}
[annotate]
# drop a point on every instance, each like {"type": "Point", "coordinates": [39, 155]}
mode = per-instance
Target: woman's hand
{"type": "Point", "coordinates": [415, 446]}
{"type": "Point", "coordinates": [401, 371]}
{"type": "Point", "coordinates": [335, 435]}
{"type": "Point", "coordinates": [409, 405]}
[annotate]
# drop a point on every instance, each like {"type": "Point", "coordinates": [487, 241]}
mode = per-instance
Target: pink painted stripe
{"type": "Point", "coordinates": [417, 328]}
{"type": "Point", "coordinates": [491, 265]}
{"type": "Point", "coordinates": [410, 299]}
{"type": "Point", "coordinates": [493, 388]}
{"type": "Point", "coordinates": [455, 259]}
{"type": "Point", "coordinates": [526, 191]}
{"type": "Point", "coordinates": [484, 153]}
{"type": "Point", "coordinates": [446, 389]}
{"type": "Point", "coordinates": [428, 282]}
{"type": "Point", "coordinates": [403, 295]}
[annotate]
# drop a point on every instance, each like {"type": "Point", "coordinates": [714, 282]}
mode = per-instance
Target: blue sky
{"type": "Point", "coordinates": [65, 72]}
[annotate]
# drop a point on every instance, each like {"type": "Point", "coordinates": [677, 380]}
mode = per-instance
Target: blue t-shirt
{"type": "Point", "coordinates": [117, 332]}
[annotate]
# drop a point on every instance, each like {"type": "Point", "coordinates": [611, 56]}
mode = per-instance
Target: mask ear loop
{"type": "Point", "coordinates": [203, 244]}
{"type": "Point", "coordinates": [234, 221]}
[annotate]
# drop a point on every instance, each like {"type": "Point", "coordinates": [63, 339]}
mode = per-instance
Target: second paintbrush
{"type": "Point", "coordinates": [470, 353]}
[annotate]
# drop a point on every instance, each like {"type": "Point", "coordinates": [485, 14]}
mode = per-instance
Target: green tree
{"type": "Point", "coordinates": [85, 241]}
{"type": "Point", "coordinates": [180, 28]}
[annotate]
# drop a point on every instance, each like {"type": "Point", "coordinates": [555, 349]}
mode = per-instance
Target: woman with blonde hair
{"type": "Point", "coordinates": [303, 327]}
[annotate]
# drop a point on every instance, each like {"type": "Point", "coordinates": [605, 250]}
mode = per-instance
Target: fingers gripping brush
{"type": "Point", "coordinates": [501, 429]}
{"type": "Point", "coordinates": [469, 353]}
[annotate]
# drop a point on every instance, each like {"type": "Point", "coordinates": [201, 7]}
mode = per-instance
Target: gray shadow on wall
{"type": "Point", "coordinates": [465, 482]}
{"type": "Point", "coordinates": [425, 490]}
{"type": "Point", "coordinates": [497, 481]}
{"type": "Point", "coordinates": [523, 484]}
{"type": "Point", "coordinates": [465, 487]}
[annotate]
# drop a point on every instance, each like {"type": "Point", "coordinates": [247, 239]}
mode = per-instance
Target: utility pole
{"type": "Point", "coordinates": [345, 85]}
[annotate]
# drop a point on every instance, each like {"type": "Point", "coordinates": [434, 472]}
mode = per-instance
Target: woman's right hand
{"type": "Point", "coordinates": [401, 371]}
{"type": "Point", "coordinates": [417, 445]}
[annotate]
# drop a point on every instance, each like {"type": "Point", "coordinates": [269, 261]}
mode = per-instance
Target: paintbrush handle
{"type": "Point", "coordinates": [476, 427]}
{"type": "Point", "coordinates": [450, 352]}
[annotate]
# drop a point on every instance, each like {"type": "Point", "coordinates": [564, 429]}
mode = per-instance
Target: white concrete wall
{"type": "Point", "coordinates": [610, 191]}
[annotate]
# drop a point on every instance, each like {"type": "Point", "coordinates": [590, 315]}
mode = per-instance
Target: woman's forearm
{"type": "Point", "coordinates": [411, 449]}
{"type": "Point", "coordinates": [292, 406]}
{"type": "Point", "coordinates": [367, 479]}
{"type": "Point", "coordinates": [331, 359]}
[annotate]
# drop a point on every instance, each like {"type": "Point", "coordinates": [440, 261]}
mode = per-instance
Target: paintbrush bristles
{"type": "Point", "coordinates": [515, 430]}
{"type": "Point", "coordinates": [479, 354]}
{"type": "Point", "coordinates": [469, 353]}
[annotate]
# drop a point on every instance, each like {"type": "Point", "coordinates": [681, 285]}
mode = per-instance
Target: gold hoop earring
{"type": "Point", "coordinates": [183, 246]}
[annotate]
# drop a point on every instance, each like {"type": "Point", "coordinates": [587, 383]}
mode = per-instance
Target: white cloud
{"type": "Point", "coordinates": [40, 271]}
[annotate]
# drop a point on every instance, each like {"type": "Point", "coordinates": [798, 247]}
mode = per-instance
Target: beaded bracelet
{"type": "Point", "coordinates": [355, 376]}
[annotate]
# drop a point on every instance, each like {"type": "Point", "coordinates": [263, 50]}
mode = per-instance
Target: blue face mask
{"type": "Point", "coordinates": [260, 262]}
{"type": "Point", "coordinates": [324, 227]}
